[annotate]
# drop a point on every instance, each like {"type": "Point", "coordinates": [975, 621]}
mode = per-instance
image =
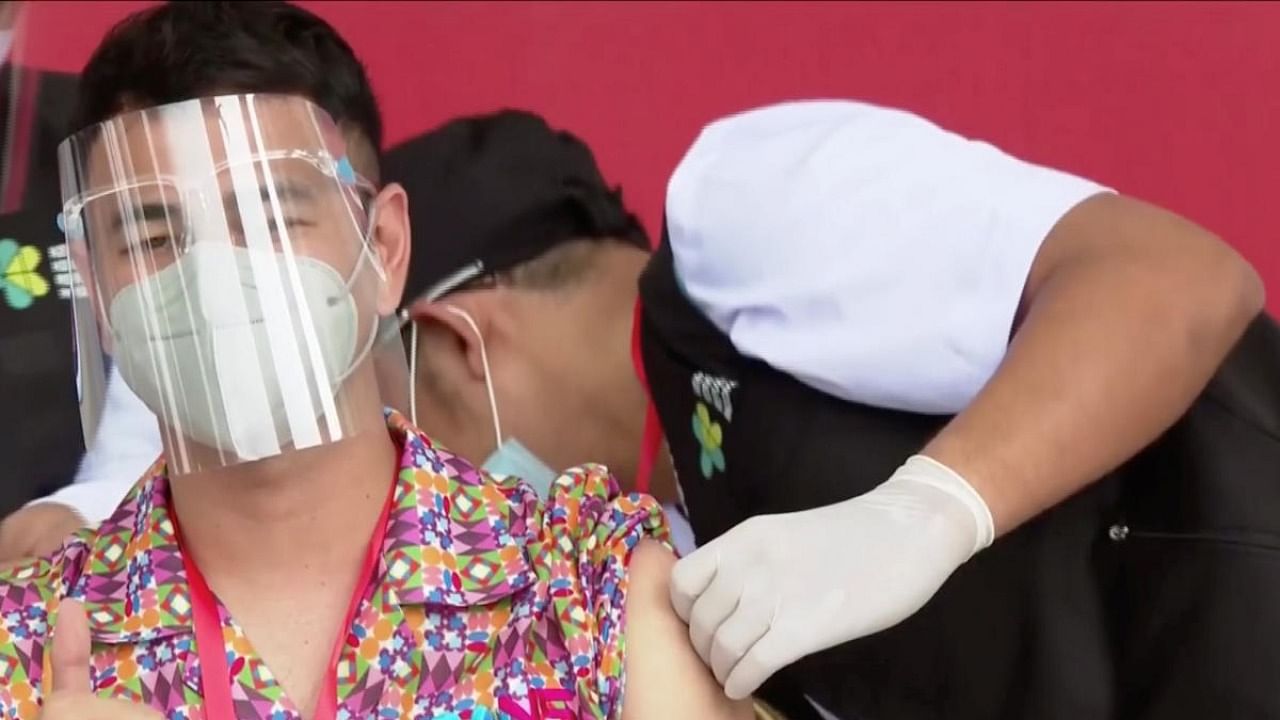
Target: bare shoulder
{"type": "Point", "coordinates": [665, 679]}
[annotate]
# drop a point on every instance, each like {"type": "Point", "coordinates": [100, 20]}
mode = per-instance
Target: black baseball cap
{"type": "Point", "coordinates": [489, 192]}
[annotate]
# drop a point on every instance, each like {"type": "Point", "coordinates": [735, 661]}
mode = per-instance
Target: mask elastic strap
{"type": "Point", "coordinates": [366, 251]}
{"type": "Point", "coordinates": [488, 377]}
{"type": "Point", "coordinates": [374, 332]}
{"type": "Point", "coordinates": [413, 370]}
{"type": "Point", "coordinates": [413, 363]}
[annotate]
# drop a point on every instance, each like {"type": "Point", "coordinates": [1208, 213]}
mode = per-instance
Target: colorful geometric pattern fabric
{"type": "Point", "coordinates": [489, 603]}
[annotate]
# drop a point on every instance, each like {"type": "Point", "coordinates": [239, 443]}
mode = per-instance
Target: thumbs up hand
{"type": "Point", "coordinates": [70, 695]}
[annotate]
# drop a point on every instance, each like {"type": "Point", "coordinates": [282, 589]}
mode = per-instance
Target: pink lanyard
{"type": "Point", "coordinates": [651, 440]}
{"type": "Point", "coordinates": [214, 675]}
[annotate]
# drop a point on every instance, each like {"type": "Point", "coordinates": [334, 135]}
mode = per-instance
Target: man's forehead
{"type": "Point", "coordinates": [182, 137]}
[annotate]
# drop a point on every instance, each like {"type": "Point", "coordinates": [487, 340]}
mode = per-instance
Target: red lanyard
{"type": "Point", "coordinates": [214, 675]}
{"type": "Point", "coordinates": [651, 441]}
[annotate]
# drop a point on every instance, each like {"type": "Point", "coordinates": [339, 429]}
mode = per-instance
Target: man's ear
{"type": "Point", "coordinates": [442, 320]}
{"type": "Point", "coordinates": [391, 240]}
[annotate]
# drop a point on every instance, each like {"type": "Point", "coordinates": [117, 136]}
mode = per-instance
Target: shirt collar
{"type": "Point", "coordinates": [455, 537]}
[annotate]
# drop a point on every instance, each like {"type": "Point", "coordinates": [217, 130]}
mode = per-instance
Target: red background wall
{"type": "Point", "coordinates": [1174, 103]}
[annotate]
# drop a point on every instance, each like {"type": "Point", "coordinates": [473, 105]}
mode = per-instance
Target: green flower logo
{"type": "Point", "coordinates": [20, 281]}
{"type": "Point", "coordinates": [709, 435]}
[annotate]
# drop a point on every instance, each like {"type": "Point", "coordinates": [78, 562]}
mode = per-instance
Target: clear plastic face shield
{"type": "Point", "coordinates": [230, 276]}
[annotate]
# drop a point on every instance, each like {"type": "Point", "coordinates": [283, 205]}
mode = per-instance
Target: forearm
{"type": "Point", "coordinates": [1111, 353]}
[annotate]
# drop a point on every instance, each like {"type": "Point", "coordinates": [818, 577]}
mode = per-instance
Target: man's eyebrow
{"type": "Point", "coordinates": [165, 211]}
{"type": "Point", "coordinates": [144, 213]}
{"type": "Point", "coordinates": [285, 189]}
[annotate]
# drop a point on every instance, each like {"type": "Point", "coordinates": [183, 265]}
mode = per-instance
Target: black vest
{"type": "Point", "coordinates": [1153, 593]}
{"type": "Point", "coordinates": [40, 436]}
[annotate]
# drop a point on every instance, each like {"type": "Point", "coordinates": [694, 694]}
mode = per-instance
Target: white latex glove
{"type": "Point", "coordinates": [779, 587]}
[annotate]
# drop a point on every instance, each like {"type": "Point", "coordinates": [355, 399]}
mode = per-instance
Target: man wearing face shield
{"type": "Point", "coordinates": [300, 551]}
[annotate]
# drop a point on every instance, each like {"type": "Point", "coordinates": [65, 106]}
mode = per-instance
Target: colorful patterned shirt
{"type": "Point", "coordinates": [488, 603]}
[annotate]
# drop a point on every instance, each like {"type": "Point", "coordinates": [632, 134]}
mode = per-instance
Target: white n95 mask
{"type": "Point", "coordinates": [192, 341]}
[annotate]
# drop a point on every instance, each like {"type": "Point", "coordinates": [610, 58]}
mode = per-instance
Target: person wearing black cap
{"type": "Point", "coordinates": [1076, 379]}
{"type": "Point", "coordinates": [527, 260]}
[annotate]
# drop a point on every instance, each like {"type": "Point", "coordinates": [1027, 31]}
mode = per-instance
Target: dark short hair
{"type": "Point", "coordinates": [184, 50]}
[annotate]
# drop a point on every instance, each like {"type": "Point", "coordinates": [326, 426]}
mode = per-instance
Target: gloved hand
{"type": "Point", "coordinates": [779, 587]}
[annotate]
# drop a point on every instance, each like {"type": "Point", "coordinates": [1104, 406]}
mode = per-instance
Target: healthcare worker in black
{"type": "Point", "coordinates": [960, 436]}
{"type": "Point", "coordinates": [38, 400]}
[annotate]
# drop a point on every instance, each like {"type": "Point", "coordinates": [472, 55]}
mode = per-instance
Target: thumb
{"type": "Point", "coordinates": [691, 576]}
{"type": "Point", "coordinates": [71, 649]}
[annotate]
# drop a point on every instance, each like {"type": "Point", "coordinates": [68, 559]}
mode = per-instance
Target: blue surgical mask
{"type": "Point", "coordinates": [511, 458]}
{"type": "Point", "coordinates": [514, 459]}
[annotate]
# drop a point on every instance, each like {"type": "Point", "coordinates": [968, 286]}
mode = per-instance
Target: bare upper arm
{"type": "Point", "coordinates": [665, 678]}
{"type": "Point", "coordinates": [1116, 229]}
